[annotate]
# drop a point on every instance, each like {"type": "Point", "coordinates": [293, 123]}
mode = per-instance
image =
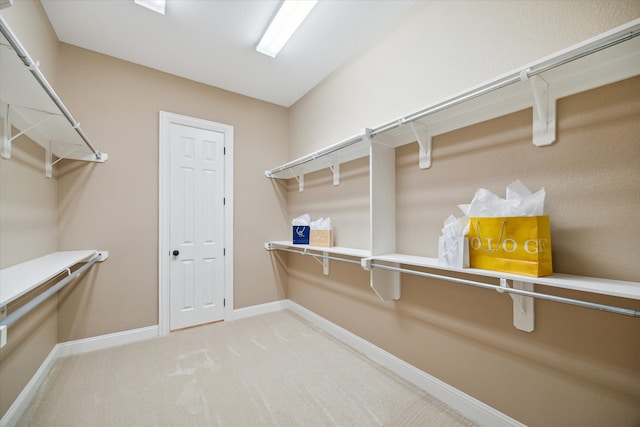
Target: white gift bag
{"type": "Point", "coordinates": [453, 251]}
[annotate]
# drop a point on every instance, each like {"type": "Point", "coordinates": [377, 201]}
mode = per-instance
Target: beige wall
{"type": "Point", "coordinates": [28, 218]}
{"type": "Point", "coordinates": [579, 366]}
{"type": "Point", "coordinates": [28, 230]}
{"type": "Point", "coordinates": [29, 22]}
{"type": "Point", "coordinates": [114, 206]}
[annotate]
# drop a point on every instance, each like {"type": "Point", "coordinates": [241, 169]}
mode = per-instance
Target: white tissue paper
{"type": "Point", "coordinates": [302, 220]}
{"type": "Point", "coordinates": [519, 201]}
{"type": "Point", "coordinates": [453, 247]}
{"type": "Point", "coordinates": [321, 224]}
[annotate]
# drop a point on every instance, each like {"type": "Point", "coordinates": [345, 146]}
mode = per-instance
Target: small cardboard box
{"type": "Point", "coordinates": [301, 234]}
{"type": "Point", "coordinates": [322, 238]}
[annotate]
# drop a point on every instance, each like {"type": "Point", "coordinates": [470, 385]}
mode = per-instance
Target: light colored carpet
{"type": "Point", "coordinates": [269, 370]}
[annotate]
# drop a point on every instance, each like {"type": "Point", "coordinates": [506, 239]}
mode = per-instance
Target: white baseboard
{"type": "Point", "coordinates": [29, 391]}
{"type": "Point", "coordinates": [86, 345]}
{"type": "Point", "coordinates": [256, 310]}
{"type": "Point", "coordinates": [466, 405]}
{"type": "Point", "coordinates": [70, 348]}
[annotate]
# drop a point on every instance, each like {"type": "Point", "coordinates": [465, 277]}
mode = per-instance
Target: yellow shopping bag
{"type": "Point", "coordinates": [519, 245]}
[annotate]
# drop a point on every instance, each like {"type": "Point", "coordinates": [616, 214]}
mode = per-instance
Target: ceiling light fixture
{"type": "Point", "coordinates": [155, 5]}
{"type": "Point", "coordinates": [285, 23]}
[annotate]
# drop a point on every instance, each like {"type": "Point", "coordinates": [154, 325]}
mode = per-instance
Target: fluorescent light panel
{"type": "Point", "coordinates": [285, 23]}
{"type": "Point", "coordinates": [155, 5]}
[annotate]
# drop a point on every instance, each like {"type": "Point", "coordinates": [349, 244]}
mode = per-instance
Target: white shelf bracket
{"type": "Point", "coordinates": [335, 169]}
{"type": "Point", "coordinates": [67, 154]}
{"type": "Point", "coordinates": [3, 335]}
{"type": "Point", "coordinates": [544, 110]}
{"type": "Point", "coordinates": [5, 130]}
{"type": "Point", "coordinates": [8, 138]}
{"type": "Point", "coordinates": [35, 125]}
{"type": "Point", "coordinates": [385, 283]}
{"type": "Point", "coordinates": [322, 260]}
{"type": "Point", "coordinates": [3, 328]}
{"type": "Point", "coordinates": [48, 164]}
{"type": "Point", "coordinates": [300, 179]}
{"type": "Point", "coordinates": [423, 137]}
{"type": "Point", "coordinates": [523, 307]}
{"type": "Point", "coordinates": [325, 264]}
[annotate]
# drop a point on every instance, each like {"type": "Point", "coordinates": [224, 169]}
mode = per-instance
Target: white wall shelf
{"type": "Point", "coordinates": [608, 58]}
{"type": "Point", "coordinates": [336, 250]}
{"type": "Point", "coordinates": [29, 104]}
{"type": "Point", "coordinates": [330, 158]}
{"type": "Point", "coordinates": [22, 278]}
{"type": "Point", "coordinates": [320, 253]}
{"type": "Point", "coordinates": [617, 288]}
{"type": "Point", "coordinates": [521, 288]}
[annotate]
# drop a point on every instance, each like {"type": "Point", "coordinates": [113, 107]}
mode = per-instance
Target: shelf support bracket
{"type": "Point", "coordinates": [523, 307]}
{"type": "Point", "coordinates": [3, 328]}
{"type": "Point", "coordinates": [35, 125]}
{"type": "Point", "coordinates": [48, 164]}
{"type": "Point", "coordinates": [544, 110]}
{"type": "Point", "coordinates": [322, 260]}
{"type": "Point", "coordinates": [5, 125]}
{"type": "Point", "coordinates": [325, 263]}
{"type": "Point", "coordinates": [385, 283]}
{"type": "Point", "coordinates": [300, 179]}
{"type": "Point", "coordinates": [335, 169]}
{"type": "Point", "coordinates": [423, 137]}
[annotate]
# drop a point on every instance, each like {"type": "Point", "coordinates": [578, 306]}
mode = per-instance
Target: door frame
{"type": "Point", "coordinates": [166, 120]}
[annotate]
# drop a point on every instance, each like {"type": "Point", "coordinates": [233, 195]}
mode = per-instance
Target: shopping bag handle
{"type": "Point", "coordinates": [489, 250]}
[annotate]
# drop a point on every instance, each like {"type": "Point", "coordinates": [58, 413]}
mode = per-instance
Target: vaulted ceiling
{"type": "Point", "coordinates": [213, 41]}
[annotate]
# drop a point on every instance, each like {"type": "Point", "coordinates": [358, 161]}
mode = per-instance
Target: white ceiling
{"type": "Point", "coordinates": [213, 41]}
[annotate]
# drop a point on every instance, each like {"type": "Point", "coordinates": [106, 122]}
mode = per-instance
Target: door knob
{"type": "Point", "coordinates": [176, 252]}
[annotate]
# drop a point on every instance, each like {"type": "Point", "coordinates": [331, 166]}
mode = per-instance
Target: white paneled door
{"type": "Point", "coordinates": [196, 235]}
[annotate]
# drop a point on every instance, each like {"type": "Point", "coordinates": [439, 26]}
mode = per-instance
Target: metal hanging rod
{"type": "Point", "coordinates": [313, 254]}
{"type": "Point", "coordinates": [23, 310]}
{"type": "Point", "coordinates": [501, 289]}
{"type": "Point", "coordinates": [35, 71]}
{"type": "Point", "coordinates": [321, 153]}
{"type": "Point", "coordinates": [505, 81]}
{"type": "Point", "coordinates": [492, 86]}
